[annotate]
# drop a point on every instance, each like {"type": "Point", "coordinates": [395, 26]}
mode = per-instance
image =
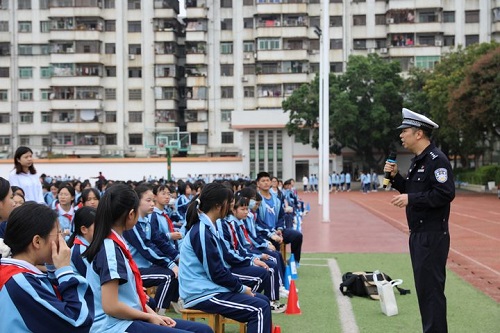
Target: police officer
{"type": "Point", "coordinates": [426, 193]}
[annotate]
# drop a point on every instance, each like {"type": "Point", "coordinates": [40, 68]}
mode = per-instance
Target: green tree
{"type": "Point", "coordinates": [365, 108]}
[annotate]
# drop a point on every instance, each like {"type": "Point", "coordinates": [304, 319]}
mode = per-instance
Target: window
{"type": "Point", "coordinates": [426, 62]}
{"type": "Point", "coordinates": [226, 48]}
{"type": "Point", "coordinates": [248, 23]}
{"type": "Point", "coordinates": [165, 116]}
{"type": "Point", "coordinates": [359, 19]}
{"type": "Point", "coordinates": [25, 72]}
{"type": "Point", "coordinates": [4, 95]}
{"type": "Point", "coordinates": [4, 71]}
{"type": "Point", "coordinates": [336, 44]}
{"type": "Point", "coordinates": [45, 26]}
{"type": "Point", "coordinates": [26, 117]}
{"type": "Point", "coordinates": [134, 26]}
{"type": "Point", "coordinates": [45, 72]}
{"type": "Point", "coordinates": [226, 4]}
{"type": "Point", "coordinates": [427, 40]}
{"type": "Point", "coordinates": [24, 26]}
{"type": "Point", "coordinates": [448, 40]}
{"type": "Point", "coordinates": [134, 4]}
{"type": "Point", "coordinates": [45, 94]}
{"type": "Point", "coordinates": [359, 44]}
{"type": "Point", "coordinates": [226, 69]}
{"type": "Point", "coordinates": [336, 21]}
{"type": "Point", "coordinates": [25, 49]}
{"type": "Point", "coordinates": [134, 49]}
{"type": "Point", "coordinates": [135, 116]}
{"type": "Point", "coordinates": [24, 4]}
{"type": "Point", "coordinates": [248, 2]}
{"type": "Point", "coordinates": [226, 24]}
{"type": "Point", "coordinates": [110, 25]}
{"type": "Point", "coordinates": [200, 138]}
{"type": "Point", "coordinates": [4, 26]}
{"type": "Point", "coordinates": [471, 39]}
{"type": "Point", "coordinates": [46, 116]}
{"type": "Point", "coordinates": [110, 139]}
{"type": "Point", "coordinates": [427, 17]}
{"type": "Point", "coordinates": [110, 116]}
{"type": "Point", "coordinates": [110, 94]}
{"type": "Point", "coordinates": [25, 94]}
{"type": "Point", "coordinates": [226, 91]}
{"type": "Point", "coordinates": [135, 72]}
{"type": "Point", "coordinates": [134, 94]}
{"type": "Point", "coordinates": [4, 118]}
{"type": "Point", "coordinates": [336, 67]}
{"type": "Point", "coordinates": [227, 137]}
{"type": "Point", "coordinates": [448, 17]}
{"type": "Point", "coordinates": [472, 16]}
{"type": "Point", "coordinates": [109, 48]}
{"type": "Point", "coordinates": [380, 19]}
{"type": "Point", "coordinates": [135, 139]}
{"type": "Point", "coordinates": [44, 4]}
{"type": "Point", "coordinates": [24, 140]}
{"type": "Point", "coordinates": [248, 46]}
{"type": "Point", "coordinates": [249, 69]}
{"type": "Point", "coordinates": [110, 71]}
{"type": "Point", "coordinates": [225, 116]}
{"type": "Point", "coordinates": [109, 3]}
{"type": "Point", "coordinates": [269, 44]}
{"type": "Point", "coordinates": [249, 92]}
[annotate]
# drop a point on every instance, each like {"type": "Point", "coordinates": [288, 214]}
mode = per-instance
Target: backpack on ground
{"type": "Point", "coordinates": [362, 284]}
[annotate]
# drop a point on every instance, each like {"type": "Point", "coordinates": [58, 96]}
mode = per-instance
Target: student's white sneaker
{"type": "Point", "coordinates": [283, 292]}
{"type": "Point", "coordinates": [277, 307]}
{"type": "Point", "coordinates": [178, 306]}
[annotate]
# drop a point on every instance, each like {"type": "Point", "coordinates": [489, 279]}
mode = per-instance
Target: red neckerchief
{"type": "Point", "coordinates": [245, 232]}
{"type": "Point", "coordinates": [169, 221]}
{"type": "Point", "coordinates": [235, 238]}
{"type": "Point", "coordinates": [133, 267]}
{"type": "Point", "coordinates": [79, 242]}
{"type": "Point", "coordinates": [8, 271]}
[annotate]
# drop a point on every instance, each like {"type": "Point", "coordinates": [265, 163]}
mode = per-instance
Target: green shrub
{"type": "Point", "coordinates": [481, 176]}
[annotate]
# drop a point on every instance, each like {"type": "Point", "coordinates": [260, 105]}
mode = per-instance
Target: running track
{"type": "Point", "coordinates": [369, 223]}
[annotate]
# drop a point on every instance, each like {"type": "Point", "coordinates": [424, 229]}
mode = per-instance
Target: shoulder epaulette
{"type": "Point", "coordinates": [433, 155]}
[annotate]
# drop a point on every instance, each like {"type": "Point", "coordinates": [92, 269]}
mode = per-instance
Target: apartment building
{"type": "Point", "coordinates": [120, 78]}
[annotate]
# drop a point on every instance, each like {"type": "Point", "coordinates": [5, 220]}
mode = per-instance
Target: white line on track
{"type": "Point", "coordinates": [346, 315]}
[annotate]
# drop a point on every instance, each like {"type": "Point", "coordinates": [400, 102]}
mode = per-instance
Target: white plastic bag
{"type": "Point", "coordinates": [386, 293]}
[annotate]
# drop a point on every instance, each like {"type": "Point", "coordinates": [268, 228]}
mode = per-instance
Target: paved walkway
{"type": "Point", "coordinates": [369, 223]}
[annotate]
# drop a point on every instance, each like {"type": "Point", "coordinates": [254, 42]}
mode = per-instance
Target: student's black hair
{"type": "Point", "coordinates": [17, 155]}
{"type": "Point", "coordinates": [141, 189]}
{"type": "Point", "coordinates": [213, 194]}
{"type": "Point", "coordinates": [68, 186]}
{"type": "Point", "coordinates": [258, 197]}
{"type": "Point", "coordinates": [159, 188]}
{"type": "Point", "coordinates": [4, 188]}
{"type": "Point", "coordinates": [240, 200]}
{"type": "Point", "coordinates": [17, 188]}
{"type": "Point", "coordinates": [46, 186]}
{"type": "Point", "coordinates": [172, 189]}
{"type": "Point", "coordinates": [85, 194]}
{"type": "Point", "coordinates": [27, 221]}
{"type": "Point", "coordinates": [248, 192]}
{"type": "Point", "coordinates": [114, 206]}
{"type": "Point", "coordinates": [84, 217]}
{"type": "Point", "coordinates": [263, 174]}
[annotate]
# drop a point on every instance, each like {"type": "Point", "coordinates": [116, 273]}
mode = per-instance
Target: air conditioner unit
{"type": "Point", "coordinates": [131, 57]}
{"type": "Point", "coordinates": [244, 79]}
{"type": "Point", "coordinates": [70, 50]}
{"type": "Point", "coordinates": [371, 51]}
{"type": "Point", "coordinates": [247, 56]}
{"type": "Point", "coordinates": [383, 50]}
{"type": "Point", "coordinates": [439, 43]}
{"type": "Point", "coordinates": [390, 20]}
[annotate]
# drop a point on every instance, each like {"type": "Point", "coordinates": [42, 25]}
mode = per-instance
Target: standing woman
{"type": "Point", "coordinates": [31, 300]}
{"type": "Point", "coordinates": [117, 280]}
{"type": "Point", "coordinates": [206, 283]}
{"type": "Point", "coordinates": [24, 175]}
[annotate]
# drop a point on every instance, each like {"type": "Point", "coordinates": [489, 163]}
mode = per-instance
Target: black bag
{"type": "Point", "coordinates": [362, 284]}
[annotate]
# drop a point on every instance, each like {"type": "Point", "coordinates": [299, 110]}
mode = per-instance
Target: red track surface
{"type": "Point", "coordinates": [369, 223]}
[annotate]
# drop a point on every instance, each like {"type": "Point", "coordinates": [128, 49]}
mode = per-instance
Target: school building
{"type": "Point", "coordinates": [113, 78]}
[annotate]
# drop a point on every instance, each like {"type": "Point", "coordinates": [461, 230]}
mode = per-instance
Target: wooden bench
{"type": "Point", "coordinates": [212, 319]}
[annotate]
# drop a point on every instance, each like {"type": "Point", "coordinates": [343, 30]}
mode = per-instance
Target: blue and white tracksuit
{"type": "Point", "coordinates": [207, 284]}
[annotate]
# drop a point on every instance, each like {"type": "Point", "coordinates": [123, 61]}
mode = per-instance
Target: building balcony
{"type": "Point", "coordinates": [278, 78]}
{"type": "Point", "coordinates": [167, 35]}
{"type": "Point", "coordinates": [197, 126]}
{"type": "Point", "coordinates": [71, 104]}
{"type": "Point", "coordinates": [165, 59]}
{"type": "Point", "coordinates": [87, 127]}
{"type": "Point", "coordinates": [197, 12]}
{"type": "Point", "coordinates": [197, 104]}
{"type": "Point", "coordinates": [166, 104]}
{"type": "Point", "coordinates": [495, 27]}
{"type": "Point", "coordinates": [270, 102]}
{"type": "Point", "coordinates": [76, 81]}
{"type": "Point", "coordinates": [71, 57]}
{"type": "Point", "coordinates": [75, 11]}
{"type": "Point", "coordinates": [196, 58]}
{"type": "Point", "coordinates": [285, 8]}
{"type": "Point", "coordinates": [82, 150]}
{"type": "Point", "coordinates": [413, 51]}
{"type": "Point", "coordinates": [164, 12]}
{"type": "Point", "coordinates": [75, 35]}
{"type": "Point", "coordinates": [431, 27]}
{"type": "Point", "coordinates": [279, 55]}
{"type": "Point", "coordinates": [196, 36]}
{"type": "Point", "coordinates": [197, 81]}
{"type": "Point", "coordinates": [165, 82]}
{"type": "Point", "coordinates": [284, 32]}
{"type": "Point", "coordinates": [197, 149]}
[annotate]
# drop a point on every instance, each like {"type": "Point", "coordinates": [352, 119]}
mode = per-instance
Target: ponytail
{"type": "Point", "coordinates": [192, 216]}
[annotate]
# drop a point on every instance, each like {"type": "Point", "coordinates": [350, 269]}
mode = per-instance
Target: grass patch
{"type": "Point", "coordinates": [468, 309]}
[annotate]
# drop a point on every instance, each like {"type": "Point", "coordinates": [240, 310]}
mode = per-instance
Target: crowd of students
{"type": "Point", "coordinates": [81, 260]}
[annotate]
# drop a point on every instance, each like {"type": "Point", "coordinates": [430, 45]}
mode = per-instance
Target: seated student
{"type": "Point", "coordinates": [90, 197]}
{"type": "Point", "coordinates": [228, 230]}
{"type": "Point", "coordinates": [31, 300]}
{"type": "Point", "coordinates": [184, 189]}
{"type": "Point", "coordinates": [271, 215]}
{"type": "Point", "coordinates": [64, 207]}
{"type": "Point", "coordinates": [159, 218]}
{"type": "Point", "coordinates": [118, 283]}
{"type": "Point", "coordinates": [206, 283]}
{"type": "Point", "coordinates": [153, 254]}
{"type": "Point", "coordinates": [6, 204]}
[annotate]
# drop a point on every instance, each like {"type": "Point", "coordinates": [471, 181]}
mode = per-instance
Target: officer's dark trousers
{"type": "Point", "coordinates": [429, 251]}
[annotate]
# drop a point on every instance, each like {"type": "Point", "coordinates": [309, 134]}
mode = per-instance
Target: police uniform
{"type": "Point", "coordinates": [430, 188]}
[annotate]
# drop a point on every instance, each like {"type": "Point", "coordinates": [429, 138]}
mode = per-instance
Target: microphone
{"type": "Point", "coordinates": [387, 176]}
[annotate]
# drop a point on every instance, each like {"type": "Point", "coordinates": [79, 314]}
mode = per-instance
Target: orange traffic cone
{"type": "Point", "coordinates": [293, 300]}
{"type": "Point", "coordinates": [277, 329]}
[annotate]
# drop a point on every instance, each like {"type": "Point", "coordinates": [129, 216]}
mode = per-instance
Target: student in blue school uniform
{"type": "Point", "coordinates": [6, 204]}
{"type": "Point", "coordinates": [64, 207]}
{"type": "Point", "coordinates": [33, 301]}
{"type": "Point", "coordinates": [206, 283]}
{"type": "Point", "coordinates": [153, 254]}
{"type": "Point", "coordinates": [160, 220]}
{"type": "Point", "coordinates": [184, 190]}
{"type": "Point", "coordinates": [118, 281]}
